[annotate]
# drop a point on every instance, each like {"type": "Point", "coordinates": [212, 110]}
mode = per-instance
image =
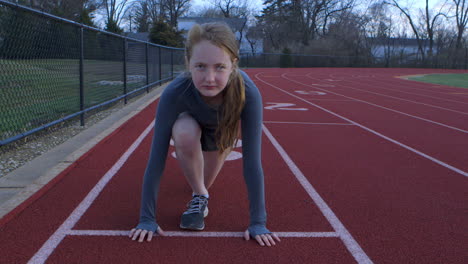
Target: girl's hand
{"type": "Point", "coordinates": [134, 233]}
{"type": "Point", "coordinates": [265, 239]}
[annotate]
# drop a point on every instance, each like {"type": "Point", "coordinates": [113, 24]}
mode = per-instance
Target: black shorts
{"type": "Point", "coordinates": [208, 136]}
{"type": "Point", "coordinates": [208, 139]}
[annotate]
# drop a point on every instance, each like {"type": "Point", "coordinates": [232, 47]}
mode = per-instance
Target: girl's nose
{"type": "Point", "coordinates": [210, 75]}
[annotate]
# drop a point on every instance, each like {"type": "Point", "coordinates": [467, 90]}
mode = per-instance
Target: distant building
{"type": "Point", "coordinates": [388, 47]}
{"type": "Point", "coordinates": [238, 26]}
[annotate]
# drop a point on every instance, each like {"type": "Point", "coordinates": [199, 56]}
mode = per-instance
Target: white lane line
{"type": "Point", "coordinates": [197, 234]}
{"type": "Point", "coordinates": [332, 100]}
{"type": "Point", "coordinates": [351, 244]}
{"type": "Point", "coordinates": [307, 123]}
{"type": "Point", "coordinates": [450, 167]}
{"type": "Point", "coordinates": [400, 91]}
{"type": "Point", "coordinates": [379, 106]}
{"type": "Point", "coordinates": [398, 98]}
{"type": "Point", "coordinates": [54, 240]}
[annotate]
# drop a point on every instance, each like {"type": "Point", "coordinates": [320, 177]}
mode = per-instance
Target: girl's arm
{"type": "Point", "coordinates": [252, 119]}
{"type": "Point", "coordinates": [165, 118]}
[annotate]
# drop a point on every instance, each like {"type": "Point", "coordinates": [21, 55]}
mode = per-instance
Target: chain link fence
{"type": "Point", "coordinates": [53, 70]}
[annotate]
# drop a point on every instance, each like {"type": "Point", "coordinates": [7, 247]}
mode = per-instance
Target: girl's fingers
{"type": "Point", "coordinates": [135, 235]}
{"type": "Point", "coordinates": [150, 236]}
{"type": "Point", "coordinates": [142, 236]}
{"type": "Point", "coordinates": [271, 240]}
{"type": "Point", "coordinates": [131, 232]}
{"type": "Point", "coordinates": [265, 240]}
{"type": "Point", "coordinates": [247, 235]}
{"type": "Point", "coordinates": [161, 232]}
{"type": "Point", "coordinates": [259, 240]}
{"type": "Point", "coordinates": [276, 237]}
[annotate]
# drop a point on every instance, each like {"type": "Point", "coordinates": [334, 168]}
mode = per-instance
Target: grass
{"type": "Point", "coordinates": [456, 80]}
{"type": "Point", "coordinates": [35, 92]}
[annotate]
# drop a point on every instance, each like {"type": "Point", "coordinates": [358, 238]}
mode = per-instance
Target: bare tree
{"type": "Point", "coordinates": [114, 12]}
{"type": "Point", "coordinates": [431, 21]}
{"type": "Point", "coordinates": [174, 9]}
{"type": "Point", "coordinates": [380, 28]}
{"type": "Point", "coordinates": [232, 8]}
{"type": "Point", "coordinates": [155, 10]}
{"type": "Point", "coordinates": [69, 9]}
{"type": "Point", "coordinates": [428, 22]}
{"type": "Point", "coordinates": [314, 15]}
{"type": "Point", "coordinates": [208, 11]}
{"type": "Point", "coordinates": [253, 36]}
{"type": "Point", "coordinates": [335, 8]}
{"type": "Point", "coordinates": [461, 15]}
{"type": "Point", "coordinates": [379, 21]}
{"type": "Point", "coordinates": [139, 16]}
{"type": "Point", "coordinates": [236, 9]}
{"type": "Point", "coordinates": [405, 11]}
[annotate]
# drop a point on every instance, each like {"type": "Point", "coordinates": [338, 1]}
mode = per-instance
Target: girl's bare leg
{"type": "Point", "coordinates": [213, 163]}
{"type": "Point", "coordinates": [199, 167]}
{"type": "Point", "coordinates": [186, 134]}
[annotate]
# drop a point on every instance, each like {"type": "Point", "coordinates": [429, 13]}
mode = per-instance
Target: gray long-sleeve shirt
{"type": "Point", "coordinates": [182, 96]}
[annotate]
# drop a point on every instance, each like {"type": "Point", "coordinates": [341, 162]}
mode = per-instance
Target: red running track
{"type": "Point", "coordinates": [346, 181]}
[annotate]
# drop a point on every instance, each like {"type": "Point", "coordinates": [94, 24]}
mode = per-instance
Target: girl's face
{"type": "Point", "coordinates": [210, 67]}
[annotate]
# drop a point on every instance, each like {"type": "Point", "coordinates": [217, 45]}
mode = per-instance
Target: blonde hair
{"type": "Point", "coordinates": [221, 35]}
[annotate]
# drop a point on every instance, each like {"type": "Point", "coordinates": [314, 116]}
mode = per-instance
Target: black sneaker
{"type": "Point", "coordinates": [193, 218]}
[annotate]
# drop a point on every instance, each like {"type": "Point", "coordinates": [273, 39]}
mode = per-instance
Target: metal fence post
{"type": "Point", "coordinates": [82, 121]}
{"type": "Point", "coordinates": [125, 69]}
{"type": "Point", "coordinates": [147, 67]}
{"type": "Point", "coordinates": [172, 64]}
{"type": "Point", "coordinates": [466, 58]}
{"type": "Point", "coordinates": [160, 66]}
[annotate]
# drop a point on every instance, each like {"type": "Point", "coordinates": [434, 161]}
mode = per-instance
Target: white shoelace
{"type": "Point", "coordinates": [195, 205]}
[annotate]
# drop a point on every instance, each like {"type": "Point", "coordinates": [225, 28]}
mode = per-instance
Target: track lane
{"type": "Point", "coordinates": [377, 87]}
{"type": "Point", "coordinates": [453, 120]}
{"type": "Point", "coordinates": [390, 197]}
{"type": "Point", "coordinates": [399, 206]}
{"type": "Point", "coordinates": [433, 141]}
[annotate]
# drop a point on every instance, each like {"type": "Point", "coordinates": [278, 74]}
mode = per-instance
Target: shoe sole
{"type": "Point", "coordinates": [192, 228]}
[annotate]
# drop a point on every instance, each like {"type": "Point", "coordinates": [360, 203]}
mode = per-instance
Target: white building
{"type": "Point", "coordinates": [389, 47]}
{"type": "Point", "coordinates": [238, 26]}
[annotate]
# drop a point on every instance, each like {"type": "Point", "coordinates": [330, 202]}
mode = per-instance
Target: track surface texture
{"type": "Point", "coordinates": [361, 166]}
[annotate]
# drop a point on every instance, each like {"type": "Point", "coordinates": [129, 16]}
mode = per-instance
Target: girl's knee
{"type": "Point", "coordinates": [186, 132]}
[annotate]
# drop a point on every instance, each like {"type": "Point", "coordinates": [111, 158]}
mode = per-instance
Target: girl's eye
{"type": "Point", "coordinates": [221, 67]}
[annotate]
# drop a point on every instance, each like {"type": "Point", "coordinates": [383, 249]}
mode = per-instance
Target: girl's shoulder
{"type": "Point", "coordinates": [177, 86]}
{"type": "Point", "coordinates": [180, 82]}
{"type": "Point", "coordinates": [250, 87]}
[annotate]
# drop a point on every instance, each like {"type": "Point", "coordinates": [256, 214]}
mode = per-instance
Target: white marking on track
{"type": "Point", "coordinates": [350, 243]}
{"type": "Point", "coordinates": [233, 155]}
{"type": "Point", "coordinates": [401, 99]}
{"type": "Point", "coordinates": [381, 79]}
{"type": "Point", "coordinates": [284, 106]}
{"type": "Point", "coordinates": [54, 240]}
{"type": "Point", "coordinates": [383, 107]}
{"type": "Point", "coordinates": [450, 167]}
{"type": "Point", "coordinates": [310, 92]}
{"type": "Point", "coordinates": [307, 123]}
{"type": "Point", "coordinates": [323, 85]}
{"type": "Point", "coordinates": [197, 234]}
